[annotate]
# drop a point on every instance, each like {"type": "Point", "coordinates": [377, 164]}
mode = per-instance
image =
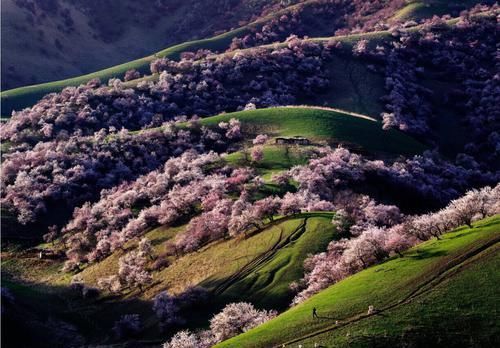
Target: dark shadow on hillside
{"type": "Point", "coordinates": [426, 254]}
{"type": "Point", "coordinates": [244, 291]}
{"type": "Point", "coordinates": [58, 317]}
{"type": "Point", "coordinates": [39, 315]}
{"type": "Point", "coordinates": [487, 224]}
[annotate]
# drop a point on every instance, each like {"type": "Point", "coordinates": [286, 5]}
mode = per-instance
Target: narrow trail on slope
{"type": "Point", "coordinates": [421, 289]}
{"type": "Point", "coordinates": [327, 108]}
{"type": "Point", "coordinates": [263, 258]}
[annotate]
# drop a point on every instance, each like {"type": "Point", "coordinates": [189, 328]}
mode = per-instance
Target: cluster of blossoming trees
{"type": "Point", "coordinates": [76, 152]}
{"type": "Point", "coordinates": [70, 172]}
{"type": "Point", "coordinates": [464, 55]}
{"type": "Point", "coordinates": [205, 87]}
{"type": "Point", "coordinates": [333, 17]}
{"type": "Point", "coordinates": [464, 58]}
{"type": "Point", "coordinates": [373, 243]}
{"type": "Point", "coordinates": [371, 234]}
{"type": "Point", "coordinates": [234, 319]}
{"type": "Point", "coordinates": [200, 188]}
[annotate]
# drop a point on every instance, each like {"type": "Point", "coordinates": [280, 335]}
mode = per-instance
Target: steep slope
{"type": "Point", "coordinates": [429, 295]}
{"type": "Point", "coordinates": [19, 98]}
{"type": "Point", "coordinates": [50, 40]}
{"type": "Point", "coordinates": [315, 21]}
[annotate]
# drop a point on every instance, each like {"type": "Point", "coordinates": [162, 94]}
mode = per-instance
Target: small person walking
{"type": "Point", "coordinates": [315, 313]}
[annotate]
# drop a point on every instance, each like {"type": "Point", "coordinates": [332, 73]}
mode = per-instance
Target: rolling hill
{"type": "Point", "coordinates": [323, 125]}
{"type": "Point", "coordinates": [21, 97]}
{"type": "Point", "coordinates": [412, 294]}
{"type": "Point", "coordinates": [259, 268]}
{"type": "Point", "coordinates": [159, 206]}
{"type": "Point", "coordinates": [51, 40]}
{"type": "Point", "coordinates": [413, 297]}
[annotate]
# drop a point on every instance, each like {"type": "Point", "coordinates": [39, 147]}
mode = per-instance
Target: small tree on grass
{"type": "Point", "coordinates": [132, 270]}
{"type": "Point", "coordinates": [51, 235]}
{"type": "Point", "coordinates": [470, 206]}
{"type": "Point", "coordinates": [250, 106]}
{"type": "Point", "coordinates": [111, 283]}
{"type": "Point", "coordinates": [257, 154]}
{"type": "Point", "coordinates": [183, 339]}
{"type": "Point", "coordinates": [131, 74]}
{"type": "Point", "coordinates": [146, 249]}
{"type": "Point", "coordinates": [267, 208]}
{"type": "Point", "coordinates": [188, 339]}
{"type": "Point", "coordinates": [260, 139]}
{"type": "Point", "coordinates": [237, 318]}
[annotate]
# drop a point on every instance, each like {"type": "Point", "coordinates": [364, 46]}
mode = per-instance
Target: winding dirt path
{"type": "Point", "coordinates": [327, 108]}
{"type": "Point", "coordinates": [263, 258]}
{"type": "Point", "coordinates": [423, 288]}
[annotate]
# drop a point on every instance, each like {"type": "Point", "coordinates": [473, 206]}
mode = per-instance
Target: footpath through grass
{"type": "Point", "coordinates": [390, 282]}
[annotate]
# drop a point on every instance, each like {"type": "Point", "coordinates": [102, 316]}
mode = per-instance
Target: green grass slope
{"type": "Point", "coordinates": [258, 269]}
{"type": "Point", "coordinates": [440, 292]}
{"type": "Point", "coordinates": [273, 255]}
{"type": "Point", "coordinates": [419, 9]}
{"type": "Point", "coordinates": [277, 158]}
{"type": "Point", "coordinates": [19, 98]}
{"type": "Point", "coordinates": [266, 281]}
{"type": "Point", "coordinates": [323, 125]}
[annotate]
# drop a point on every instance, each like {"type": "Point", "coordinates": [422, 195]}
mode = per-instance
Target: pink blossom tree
{"type": "Point", "coordinates": [237, 318]}
{"type": "Point", "coordinates": [184, 339]}
{"type": "Point", "coordinates": [145, 248]}
{"type": "Point", "coordinates": [110, 283]}
{"type": "Point", "coordinates": [260, 139]}
{"type": "Point", "coordinates": [132, 270]}
{"type": "Point", "coordinates": [257, 154]}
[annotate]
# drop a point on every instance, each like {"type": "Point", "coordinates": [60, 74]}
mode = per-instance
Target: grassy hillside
{"type": "Point", "coordinates": [51, 40]}
{"type": "Point", "coordinates": [323, 125]}
{"type": "Point", "coordinates": [263, 262]}
{"type": "Point", "coordinates": [430, 295]}
{"type": "Point", "coordinates": [257, 269]}
{"type": "Point", "coordinates": [276, 158]}
{"type": "Point", "coordinates": [418, 9]}
{"type": "Point", "coordinates": [19, 98]}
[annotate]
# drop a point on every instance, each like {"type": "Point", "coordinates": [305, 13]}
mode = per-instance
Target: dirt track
{"type": "Point", "coordinates": [261, 259]}
{"type": "Point", "coordinates": [448, 270]}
